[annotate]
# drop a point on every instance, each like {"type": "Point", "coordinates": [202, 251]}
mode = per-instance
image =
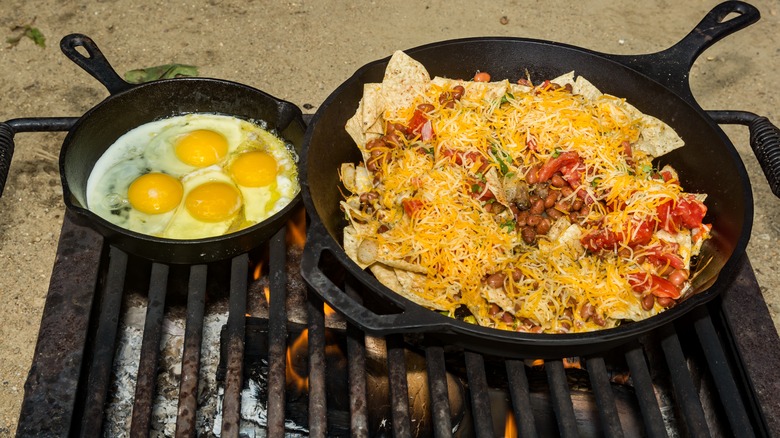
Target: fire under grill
{"type": "Point", "coordinates": [713, 372]}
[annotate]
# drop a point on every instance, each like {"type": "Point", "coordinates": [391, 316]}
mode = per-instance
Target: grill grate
{"type": "Point", "coordinates": [70, 379]}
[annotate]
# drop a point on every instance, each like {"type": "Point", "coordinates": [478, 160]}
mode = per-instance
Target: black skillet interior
{"type": "Point", "coordinates": [707, 164]}
{"type": "Point", "coordinates": [131, 106]}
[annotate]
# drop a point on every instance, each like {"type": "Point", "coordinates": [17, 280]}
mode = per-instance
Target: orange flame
{"type": "Point", "coordinates": [327, 310]}
{"type": "Point", "coordinates": [568, 362]}
{"type": "Point", "coordinates": [510, 428]}
{"type": "Point", "coordinates": [267, 293]}
{"type": "Point", "coordinates": [294, 379]}
{"type": "Point", "coordinates": [296, 229]}
{"type": "Point", "coordinates": [258, 271]}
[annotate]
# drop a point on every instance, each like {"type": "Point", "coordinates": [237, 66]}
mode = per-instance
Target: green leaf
{"type": "Point", "coordinates": [27, 31]}
{"type": "Point", "coordinates": [35, 34]}
{"type": "Point", "coordinates": [165, 71]}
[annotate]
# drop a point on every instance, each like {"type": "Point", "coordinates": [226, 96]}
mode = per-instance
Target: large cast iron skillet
{"type": "Point", "coordinates": [656, 83]}
{"type": "Point", "coordinates": [129, 106]}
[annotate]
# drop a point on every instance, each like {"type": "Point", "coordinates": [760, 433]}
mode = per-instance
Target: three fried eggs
{"type": "Point", "coordinates": [193, 176]}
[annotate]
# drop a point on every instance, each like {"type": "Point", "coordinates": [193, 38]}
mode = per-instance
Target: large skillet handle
{"type": "Point", "coordinates": [671, 67]}
{"type": "Point", "coordinates": [94, 62]}
{"type": "Point", "coordinates": [410, 319]}
{"type": "Point", "coordinates": [764, 139]}
{"type": "Point", "coordinates": [9, 128]}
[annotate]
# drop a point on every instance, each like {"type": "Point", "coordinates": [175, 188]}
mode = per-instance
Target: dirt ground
{"type": "Point", "coordinates": [300, 51]}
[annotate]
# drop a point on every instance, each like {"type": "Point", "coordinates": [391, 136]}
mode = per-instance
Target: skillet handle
{"type": "Point", "coordinates": [671, 67]}
{"type": "Point", "coordinates": [9, 128]}
{"type": "Point", "coordinates": [95, 63]}
{"type": "Point", "coordinates": [412, 318]}
{"type": "Point", "coordinates": [764, 139]}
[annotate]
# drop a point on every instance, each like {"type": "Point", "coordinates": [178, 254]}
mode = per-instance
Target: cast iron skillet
{"type": "Point", "coordinates": [655, 83]}
{"type": "Point", "coordinates": [129, 106]}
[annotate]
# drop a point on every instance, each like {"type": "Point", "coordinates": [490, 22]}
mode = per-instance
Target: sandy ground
{"type": "Point", "coordinates": [300, 51]}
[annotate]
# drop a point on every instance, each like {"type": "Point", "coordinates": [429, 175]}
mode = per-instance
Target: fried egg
{"type": "Point", "coordinates": [193, 176]}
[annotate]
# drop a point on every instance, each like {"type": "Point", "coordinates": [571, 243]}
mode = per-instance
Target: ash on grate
{"type": "Point", "coordinates": [119, 408]}
{"type": "Point", "coordinates": [254, 395]}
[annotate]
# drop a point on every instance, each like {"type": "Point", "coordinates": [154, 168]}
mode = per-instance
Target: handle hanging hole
{"type": "Point", "coordinates": [81, 50]}
{"type": "Point", "coordinates": [730, 16]}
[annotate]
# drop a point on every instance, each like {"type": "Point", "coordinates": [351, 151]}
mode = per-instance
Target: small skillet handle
{"type": "Point", "coordinates": [95, 64]}
{"type": "Point", "coordinates": [9, 128]}
{"type": "Point", "coordinates": [410, 319]}
{"type": "Point", "coordinates": [764, 140]}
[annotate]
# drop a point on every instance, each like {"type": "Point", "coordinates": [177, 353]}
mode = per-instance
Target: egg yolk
{"type": "Point", "coordinates": [201, 148]}
{"type": "Point", "coordinates": [254, 169]}
{"type": "Point", "coordinates": [213, 201]}
{"type": "Point", "coordinates": [155, 193]}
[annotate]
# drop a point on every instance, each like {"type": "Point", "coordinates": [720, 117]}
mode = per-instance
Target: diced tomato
{"type": "Point", "coordinates": [417, 121]}
{"type": "Point", "coordinates": [599, 240]}
{"type": "Point", "coordinates": [688, 212]}
{"type": "Point", "coordinates": [412, 205]}
{"type": "Point", "coordinates": [657, 257]}
{"type": "Point", "coordinates": [566, 159]}
{"type": "Point", "coordinates": [639, 233]}
{"type": "Point", "coordinates": [426, 132]}
{"type": "Point", "coordinates": [644, 282]}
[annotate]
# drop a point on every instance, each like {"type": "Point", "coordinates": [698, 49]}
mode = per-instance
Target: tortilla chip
{"type": "Point", "coordinates": [403, 283]}
{"type": "Point", "coordinates": [488, 91]}
{"type": "Point", "coordinates": [404, 80]}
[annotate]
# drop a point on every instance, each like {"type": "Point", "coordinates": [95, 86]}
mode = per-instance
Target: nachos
{"type": "Point", "coordinates": [518, 206]}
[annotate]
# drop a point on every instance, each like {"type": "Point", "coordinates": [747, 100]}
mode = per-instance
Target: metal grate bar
{"type": "Point", "coordinates": [356, 367]}
{"type": "Point", "coordinates": [59, 357]}
{"type": "Point", "coordinates": [684, 391]}
{"type": "Point", "coordinates": [105, 340]}
{"type": "Point", "coordinates": [146, 378]}
{"type": "Point", "coordinates": [190, 363]}
{"type": "Point", "coordinates": [277, 333]}
{"type": "Point", "coordinates": [480, 398]}
{"type": "Point", "coordinates": [318, 405]}
{"type": "Point", "coordinates": [437, 384]}
{"type": "Point", "coordinates": [560, 397]}
{"type": "Point", "coordinates": [521, 398]}
{"type": "Point", "coordinates": [723, 376]}
{"type": "Point", "coordinates": [643, 384]}
{"type": "Point", "coordinates": [231, 403]}
{"type": "Point", "coordinates": [399, 388]}
{"type": "Point", "coordinates": [605, 398]}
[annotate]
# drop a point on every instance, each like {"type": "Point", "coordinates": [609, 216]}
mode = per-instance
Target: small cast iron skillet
{"type": "Point", "coordinates": [657, 84]}
{"type": "Point", "coordinates": [129, 106]}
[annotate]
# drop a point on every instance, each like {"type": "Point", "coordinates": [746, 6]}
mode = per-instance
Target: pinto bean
{"type": "Point", "coordinates": [375, 143]}
{"type": "Point", "coordinates": [558, 181]}
{"type": "Point", "coordinates": [532, 177]}
{"type": "Point", "coordinates": [554, 213]}
{"type": "Point", "coordinates": [494, 309]}
{"type": "Point", "coordinates": [507, 317]}
{"type": "Point", "coordinates": [664, 301]}
{"type": "Point", "coordinates": [598, 319]}
{"type": "Point", "coordinates": [457, 92]}
{"type": "Point", "coordinates": [522, 218]}
{"type": "Point", "coordinates": [528, 234]}
{"type": "Point", "coordinates": [563, 206]}
{"type": "Point", "coordinates": [648, 301]}
{"type": "Point", "coordinates": [482, 76]}
{"type": "Point", "coordinates": [517, 274]}
{"type": "Point", "coordinates": [496, 280]}
{"type": "Point", "coordinates": [552, 198]}
{"type": "Point", "coordinates": [534, 220]}
{"type": "Point", "coordinates": [544, 226]}
{"type": "Point", "coordinates": [577, 204]}
{"type": "Point", "coordinates": [538, 206]}
{"type": "Point", "coordinates": [425, 107]}
{"type": "Point", "coordinates": [566, 191]}
{"type": "Point", "coordinates": [586, 311]}
{"type": "Point", "coordinates": [678, 277]}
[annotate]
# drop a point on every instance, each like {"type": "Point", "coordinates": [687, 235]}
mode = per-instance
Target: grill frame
{"type": "Point", "coordinates": [70, 375]}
